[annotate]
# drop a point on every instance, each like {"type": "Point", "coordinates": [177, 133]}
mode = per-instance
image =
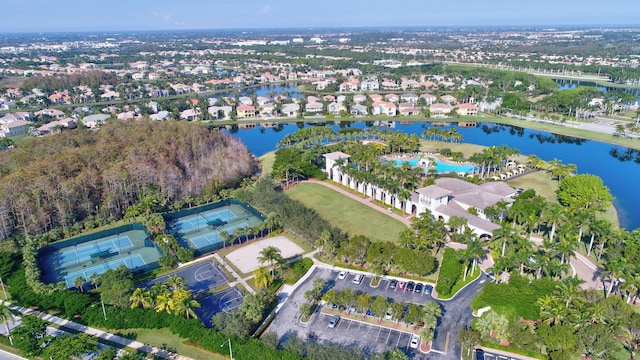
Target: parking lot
{"type": "Point", "coordinates": [383, 289]}
{"type": "Point", "coordinates": [456, 314]}
{"type": "Point", "coordinates": [376, 338]}
{"type": "Point", "coordinates": [491, 356]}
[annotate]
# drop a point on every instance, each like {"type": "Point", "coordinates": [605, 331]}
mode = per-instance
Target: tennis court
{"type": "Point", "coordinates": [83, 256]}
{"type": "Point", "coordinates": [197, 221]}
{"type": "Point", "coordinates": [132, 262]}
{"type": "Point", "coordinates": [200, 228]}
{"type": "Point", "coordinates": [82, 253]}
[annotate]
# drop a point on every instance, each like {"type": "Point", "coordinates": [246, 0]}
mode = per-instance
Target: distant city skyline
{"type": "Point", "coordinates": [131, 15]}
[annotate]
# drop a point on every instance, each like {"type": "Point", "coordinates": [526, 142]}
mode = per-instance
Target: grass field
{"type": "Point", "coordinates": [267, 161]}
{"type": "Point", "coordinates": [347, 214]}
{"type": "Point", "coordinates": [542, 183]}
{"type": "Point", "coordinates": [160, 337]}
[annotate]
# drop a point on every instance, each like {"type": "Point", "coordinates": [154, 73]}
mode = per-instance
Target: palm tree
{"type": "Point", "coordinates": [225, 236]}
{"type": "Point", "coordinates": [141, 297]}
{"type": "Point", "coordinates": [165, 302]}
{"type": "Point", "coordinates": [474, 252]}
{"type": "Point", "coordinates": [175, 282]}
{"type": "Point", "coordinates": [79, 283]}
{"type": "Point", "coordinates": [6, 316]}
{"type": "Point", "coordinates": [271, 255]}
{"type": "Point", "coordinates": [262, 277]}
{"type": "Point", "coordinates": [553, 214]}
{"type": "Point", "coordinates": [615, 269]}
{"type": "Point", "coordinates": [184, 304]}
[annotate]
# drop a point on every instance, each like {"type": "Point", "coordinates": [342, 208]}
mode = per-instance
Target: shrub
{"type": "Point", "coordinates": [450, 272]}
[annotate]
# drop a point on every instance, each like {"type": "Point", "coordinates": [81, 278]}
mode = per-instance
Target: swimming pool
{"type": "Point", "coordinates": [441, 168]}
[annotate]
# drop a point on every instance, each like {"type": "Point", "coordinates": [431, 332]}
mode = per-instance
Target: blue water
{"type": "Point", "coordinates": [441, 168]}
{"type": "Point", "coordinates": [619, 167]}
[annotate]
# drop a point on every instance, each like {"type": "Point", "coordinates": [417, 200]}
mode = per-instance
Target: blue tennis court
{"type": "Point", "coordinates": [213, 238]}
{"type": "Point", "coordinates": [82, 253]}
{"type": "Point", "coordinates": [132, 262]}
{"type": "Point", "coordinates": [200, 228]}
{"type": "Point", "coordinates": [198, 221]}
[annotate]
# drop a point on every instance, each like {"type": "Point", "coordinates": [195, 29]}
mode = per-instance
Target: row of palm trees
{"type": "Point", "coordinates": [271, 223]}
{"type": "Point", "coordinates": [449, 134]}
{"type": "Point", "coordinates": [172, 297]}
{"type": "Point", "coordinates": [493, 160]}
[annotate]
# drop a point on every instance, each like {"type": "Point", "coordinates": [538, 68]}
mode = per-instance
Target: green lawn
{"type": "Point", "coordinates": [347, 214]}
{"type": "Point", "coordinates": [160, 337]}
{"type": "Point", "coordinates": [267, 161]}
{"type": "Point", "coordinates": [542, 183]}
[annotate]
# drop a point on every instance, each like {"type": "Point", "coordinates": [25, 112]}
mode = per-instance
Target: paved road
{"type": "Point", "coordinates": [98, 333]}
{"type": "Point", "coordinates": [9, 356]}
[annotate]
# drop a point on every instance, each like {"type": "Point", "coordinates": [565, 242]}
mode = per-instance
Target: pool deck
{"type": "Point", "coordinates": [442, 158]}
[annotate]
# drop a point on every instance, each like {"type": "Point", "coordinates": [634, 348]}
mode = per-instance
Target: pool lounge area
{"type": "Point", "coordinates": [441, 167]}
{"type": "Point", "coordinates": [83, 256]}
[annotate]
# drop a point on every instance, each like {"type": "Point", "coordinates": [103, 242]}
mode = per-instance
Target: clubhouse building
{"type": "Point", "coordinates": [446, 198]}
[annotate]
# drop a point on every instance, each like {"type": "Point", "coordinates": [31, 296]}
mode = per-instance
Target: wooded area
{"type": "Point", "coordinates": [62, 181]}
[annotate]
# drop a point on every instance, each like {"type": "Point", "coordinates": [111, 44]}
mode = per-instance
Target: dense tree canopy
{"type": "Point", "coordinates": [62, 180]}
{"type": "Point", "coordinates": [584, 191]}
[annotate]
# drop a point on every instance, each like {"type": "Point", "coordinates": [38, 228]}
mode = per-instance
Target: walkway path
{"type": "Point", "coordinates": [234, 274]}
{"type": "Point", "coordinates": [367, 201]}
{"type": "Point", "coordinates": [98, 333]}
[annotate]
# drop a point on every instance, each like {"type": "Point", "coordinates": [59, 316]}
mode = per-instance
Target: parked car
{"type": "Point", "coordinates": [411, 285]}
{"type": "Point", "coordinates": [358, 279]}
{"type": "Point", "coordinates": [415, 341]}
{"type": "Point", "coordinates": [479, 354]}
{"type": "Point", "coordinates": [389, 314]}
{"type": "Point", "coordinates": [334, 321]}
{"type": "Point", "coordinates": [401, 285]}
{"type": "Point", "coordinates": [393, 284]}
{"type": "Point", "coordinates": [428, 289]}
{"type": "Point", "coordinates": [418, 288]}
{"type": "Point", "coordinates": [342, 275]}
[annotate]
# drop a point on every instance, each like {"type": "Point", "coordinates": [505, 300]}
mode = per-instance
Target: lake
{"type": "Point", "coordinates": [619, 167]}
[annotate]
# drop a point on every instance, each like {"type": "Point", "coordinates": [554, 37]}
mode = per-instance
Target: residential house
{"type": "Point", "coordinates": [349, 85]}
{"type": "Point", "coordinates": [359, 98]}
{"type": "Point", "coordinates": [392, 97]}
{"type": "Point", "coordinates": [467, 109]}
{"type": "Point", "coordinates": [52, 113]}
{"type": "Point", "coordinates": [191, 114]}
{"type": "Point", "coordinates": [370, 85]}
{"type": "Point", "coordinates": [220, 112]}
{"type": "Point", "coordinates": [335, 108]}
{"type": "Point", "coordinates": [110, 95]}
{"type": "Point", "coordinates": [245, 100]}
{"type": "Point", "coordinates": [408, 109]}
{"type": "Point", "coordinates": [409, 97]}
{"type": "Point", "coordinates": [384, 108]}
{"type": "Point", "coordinates": [93, 121]}
{"type": "Point", "coordinates": [448, 99]}
{"type": "Point", "coordinates": [313, 107]}
{"type": "Point", "coordinates": [358, 110]}
{"type": "Point", "coordinates": [376, 97]}
{"type": "Point", "coordinates": [290, 110]}
{"type": "Point", "coordinates": [389, 85]}
{"type": "Point", "coordinates": [55, 126]}
{"type": "Point", "coordinates": [14, 128]}
{"type": "Point", "coordinates": [160, 115]}
{"type": "Point", "coordinates": [409, 84]}
{"type": "Point", "coordinates": [246, 111]}
{"type": "Point", "coordinates": [440, 110]}
{"type": "Point", "coordinates": [428, 98]}
{"type": "Point", "coordinates": [312, 99]}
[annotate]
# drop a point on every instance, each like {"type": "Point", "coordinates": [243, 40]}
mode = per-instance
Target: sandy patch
{"type": "Point", "coordinates": [246, 257]}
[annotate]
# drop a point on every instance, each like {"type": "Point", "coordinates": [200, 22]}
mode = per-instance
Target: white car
{"type": "Point", "coordinates": [342, 275]}
{"type": "Point", "coordinates": [415, 341]}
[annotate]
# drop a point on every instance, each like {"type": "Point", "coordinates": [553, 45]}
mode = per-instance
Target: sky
{"type": "Point", "coordinates": [120, 15]}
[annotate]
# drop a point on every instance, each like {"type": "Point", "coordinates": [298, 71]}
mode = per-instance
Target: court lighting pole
{"type": "Point", "coordinates": [104, 312]}
{"type": "Point", "coordinates": [230, 352]}
{"type": "Point", "coordinates": [3, 290]}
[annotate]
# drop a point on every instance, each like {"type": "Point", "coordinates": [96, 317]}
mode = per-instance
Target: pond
{"type": "Point", "coordinates": [619, 167]}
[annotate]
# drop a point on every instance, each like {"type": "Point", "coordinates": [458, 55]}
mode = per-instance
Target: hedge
{"type": "Point", "coordinates": [450, 272]}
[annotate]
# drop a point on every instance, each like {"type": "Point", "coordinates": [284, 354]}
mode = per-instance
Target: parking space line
{"type": "Point", "coordinates": [388, 335]}
{"type": "Point", "coordinates": [399, 337]}
{"type": "Point", "coordinates": [379, 329]}
{"type": "Point", "coordinates": [349, 326]}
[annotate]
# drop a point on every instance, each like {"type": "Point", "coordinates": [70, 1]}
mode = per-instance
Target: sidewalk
{"type": "Point", "coordinates": [234, 274]}
{"type": "Point", "coordinates": [98, 333]}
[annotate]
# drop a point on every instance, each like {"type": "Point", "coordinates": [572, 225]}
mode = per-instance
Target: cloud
{"type": "Point", "coordinates": [166, 17]}
{"type": "Point", "coordinates": [265, 10]}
